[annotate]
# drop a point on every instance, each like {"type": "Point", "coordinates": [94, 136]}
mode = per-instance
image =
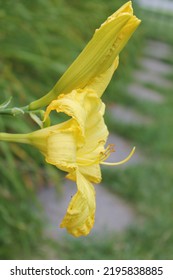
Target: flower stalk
{"type": "Point", "coordinates": [10, 137]}
{"type": "Point", "coordinates": [14, 111]}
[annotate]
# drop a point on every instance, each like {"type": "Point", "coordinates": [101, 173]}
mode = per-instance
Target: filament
{"type": "Point", "coordinates": [119, 162]}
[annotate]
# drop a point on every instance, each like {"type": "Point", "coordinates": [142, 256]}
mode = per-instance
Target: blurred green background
{"type": "Point", "coordinates": [38, 41]}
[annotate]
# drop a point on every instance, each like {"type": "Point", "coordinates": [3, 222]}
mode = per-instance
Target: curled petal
{"type": "Point", "coordinates": [80, 215]}
{"type": "Point", "coordinates": [72, 104]}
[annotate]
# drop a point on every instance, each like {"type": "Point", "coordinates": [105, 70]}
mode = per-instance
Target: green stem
{"type": "Point", "coordinates": [14, 111]}
{"type": "Point", "coordinates": [18, 138]}
{"type": "Point", "coordinates": [17, 111]}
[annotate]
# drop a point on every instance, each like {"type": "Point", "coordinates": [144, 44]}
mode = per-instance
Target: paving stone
{"type": "Point", "coordinates": [157, 49]}
{"type": "Point", "coordinates": [165, 5]}
{"type": "Point", "coordinates": [144, 93]}
{"type": "Point", "coordinates": [54, 206]}
{"type": "Point", "coordinates": [112, 213]}
{"type": "Point", "coordinates": [155, 66]}
{"type": "Point", "coordinates": [151, 78]}
{"type": "Point", "coordinates": [126, 115]}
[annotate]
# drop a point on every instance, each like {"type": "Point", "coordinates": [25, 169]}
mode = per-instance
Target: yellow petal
{"type": "Point", "coordinates": [61, 149]}
{"type": "Point", "coordinates": [71, 104]}
{"type": "Point", "coordinates": [86, 108]}
{"type": "Point", "coordinates": [91, 173]}
{"type": "Point", "coordinates": [39, 137]}
{"type": "Point", "coordinates": [80, 215]}
{"type": "Point", "coordinates": [100, 83]}
{"type": "Point", "coordinates": [96, 132]}
{"type": "Point", "coordinates": [126, 8]}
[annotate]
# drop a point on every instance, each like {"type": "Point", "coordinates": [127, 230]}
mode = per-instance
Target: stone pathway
{"type": "Point", "coordinates": [112, 212]}
{"type": "Point", "coordinates": [142, 92]}
{"type": "Point", "coordinates": [155, 66]}
{"type": "Point", "coordinates": [127, 115]}
{"type": "Point", "coordinates": [157, 49]}
{"type": "Point", "coordinates": [165, 5]}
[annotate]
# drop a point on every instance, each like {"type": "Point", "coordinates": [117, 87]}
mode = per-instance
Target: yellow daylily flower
{"type": "Point", "coordinates": [80, 151]}
{"type": "Point", "coordinates": [77, 147]}
{"type": "Point", "coordinates": [86, 109]}
{"type": "Point", "coordinates": [98, 55]}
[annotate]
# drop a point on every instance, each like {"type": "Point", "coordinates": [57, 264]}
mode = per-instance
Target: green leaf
{"type": "Point", "coordinates": [6, 103]}
{"type": "Point", "coordinates": [35, 118]}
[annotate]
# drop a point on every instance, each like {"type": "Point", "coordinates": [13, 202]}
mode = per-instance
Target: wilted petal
{"type": "Point", "coordinates": [80, 215]}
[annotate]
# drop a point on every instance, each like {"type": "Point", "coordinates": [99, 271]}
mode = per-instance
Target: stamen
{"type": "Point", "coordinates": [120, 162]}
{"type": "Point", "coordinates": [110, 149]}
